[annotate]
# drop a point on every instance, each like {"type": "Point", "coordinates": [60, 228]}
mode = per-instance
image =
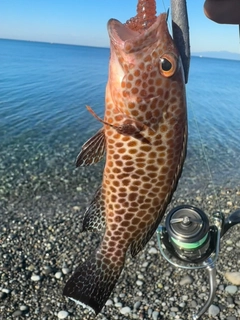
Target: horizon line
{"type": "Point", "coordinates": [101, 47]}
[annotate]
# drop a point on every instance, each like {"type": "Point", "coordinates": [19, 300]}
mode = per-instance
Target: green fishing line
{"type": "Point", "coordinates": [193, 245]}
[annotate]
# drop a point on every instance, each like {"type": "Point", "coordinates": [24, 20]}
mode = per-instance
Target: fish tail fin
{"type": "Point", "coordinates": [93, 281]}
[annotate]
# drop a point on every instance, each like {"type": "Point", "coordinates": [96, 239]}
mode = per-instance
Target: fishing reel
{"type": "Point", "coordinates": [188, 241]}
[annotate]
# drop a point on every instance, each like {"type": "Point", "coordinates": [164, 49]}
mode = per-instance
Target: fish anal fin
{"type": "Point", "coordinates": [94, 216]}
{"type": "Point", "coordinates": [93, 150]}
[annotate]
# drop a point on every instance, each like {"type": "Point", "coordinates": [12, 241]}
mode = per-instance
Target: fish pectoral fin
{"type": "Point", "coordinates": [93, 150]}
{"type": "Point", "coordinates": [133, 128]}
{"type": "Point", "coordinates": [94, 216]}
{"type": "Point", "coordinates": [127, 126]}
{"type": "Point", "coordinates": [94, 114]}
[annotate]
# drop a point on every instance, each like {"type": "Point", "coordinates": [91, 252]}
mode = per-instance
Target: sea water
{"type": "Point", "coordinates": [44, 90]}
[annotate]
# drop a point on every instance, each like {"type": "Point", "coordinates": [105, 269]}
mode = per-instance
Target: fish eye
{"type": "Point", "coordinates": [168, 65]}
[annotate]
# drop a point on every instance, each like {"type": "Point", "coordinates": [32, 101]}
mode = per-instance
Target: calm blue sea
{"type": "Point", "coordinates": [45, 87]}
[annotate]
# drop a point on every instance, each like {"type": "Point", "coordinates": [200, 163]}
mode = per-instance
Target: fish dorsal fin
{"type": "Point", "coordinates": [93, 150]}
{"type": "Point", "coordinates": [94, 216]}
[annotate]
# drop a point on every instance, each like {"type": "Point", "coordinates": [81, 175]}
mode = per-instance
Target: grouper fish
{"type": "Point", "coordinates": [144, 136]}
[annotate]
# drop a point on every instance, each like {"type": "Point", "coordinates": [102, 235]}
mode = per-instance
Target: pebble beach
{"type": "Point", "coordinates": [41, 244]}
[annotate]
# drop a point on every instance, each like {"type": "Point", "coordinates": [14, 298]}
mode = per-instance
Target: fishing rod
{"type": "Point", "coordinates": [180, 30]}
{"type": "Point", "coordinates": [189, 240]}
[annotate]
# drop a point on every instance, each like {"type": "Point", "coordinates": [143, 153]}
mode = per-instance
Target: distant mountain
{"type": "Point", "coordinates": [218, 54]}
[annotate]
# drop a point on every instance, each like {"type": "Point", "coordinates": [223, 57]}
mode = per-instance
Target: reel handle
{"type": "Point", "coordinates": [231, 221]}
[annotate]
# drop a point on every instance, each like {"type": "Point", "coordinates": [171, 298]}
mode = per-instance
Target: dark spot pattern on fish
{"type": "Point", "coordinates": [145, 136]}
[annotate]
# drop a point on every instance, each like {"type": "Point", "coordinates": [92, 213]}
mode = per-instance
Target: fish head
{"type": "Point", "coordinates": [144, 65]}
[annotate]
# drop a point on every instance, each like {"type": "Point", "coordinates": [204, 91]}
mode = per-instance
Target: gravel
{"type": "Point", "coordinates": [41, 244]}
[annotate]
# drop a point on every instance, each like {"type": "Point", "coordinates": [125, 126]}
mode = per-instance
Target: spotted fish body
{"type": "Point", "coordinates": [144, 135]}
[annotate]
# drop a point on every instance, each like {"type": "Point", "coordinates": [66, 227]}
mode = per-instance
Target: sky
{"type": "Point", "coordinates": [83, 22]}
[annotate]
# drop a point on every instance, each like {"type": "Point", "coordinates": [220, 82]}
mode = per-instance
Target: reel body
{"type": "Point", "coordinates": [188, 241]}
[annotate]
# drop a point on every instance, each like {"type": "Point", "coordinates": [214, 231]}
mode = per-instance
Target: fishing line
{"type": "Point", "coordinates": [239, 34]}
{"type": "Point", "coordinates": [164, 7]}
{"type": "Point", "coordinates": [167, 11]}
{"type": "Point", "coordinates": [205, 158]}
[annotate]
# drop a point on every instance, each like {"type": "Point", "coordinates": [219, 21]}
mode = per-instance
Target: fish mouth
{"type": "Point", "coordinates": [131, 41]}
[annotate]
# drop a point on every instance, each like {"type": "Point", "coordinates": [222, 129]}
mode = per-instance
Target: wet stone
{"type": "Point", "coordinates": [186, 280]}
{"type": "Point", "coordinates": [118, 304]}
{"type": "Point", "coordinates": [24, 308]}
{"type": "Point", "coordinates": [125, 310]}
{"type": "Point", "coordinates": [65, 270]}
{"type": "Point", "coordinates": [174, 309]}
{"type": "Point", "coordinates": [229, 300]}
{"type": "Point", "coordinates": [62, 314]}
{"type": "Point", "coordinates": [155, 315]}
{"type": "Point", "coordinates": [231, 289]}
{"type": "Point", "coordinates": [109, 302]}
{"type": "Point", "coordinates": [233, 277]}
{"type": "Point", "coordinates": [194, 304]}
{"type": "Point", "coordinates": [137, 305]}
{"type": "Point", "coordinates": [153, 251]}
{"type": "Point", "coordinates": [47, 270]}
{"type": "Point", "coordinates": [150, 311]}
{"type": "Point", "coordinates": [35, 277]}
{"type": "Point", "coordinates": [7, 291]}
{"type": "Point", "coordinates": [46, 308]}
{"type": "Point", "coordinates": [58, 275]}
{"type": "Point", "coordinates": [17, 313]}
{"type": "Point", "coordinates": [213, 311]}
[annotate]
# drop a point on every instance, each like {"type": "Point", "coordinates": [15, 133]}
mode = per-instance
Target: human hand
{"type": "Point", "coordinates": [223, 11]}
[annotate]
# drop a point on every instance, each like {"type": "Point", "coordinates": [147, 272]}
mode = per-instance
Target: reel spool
{"type": "Point", "coordinates": [188, 238]}
{"type": "Point", "coordinates": [188, 232]}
